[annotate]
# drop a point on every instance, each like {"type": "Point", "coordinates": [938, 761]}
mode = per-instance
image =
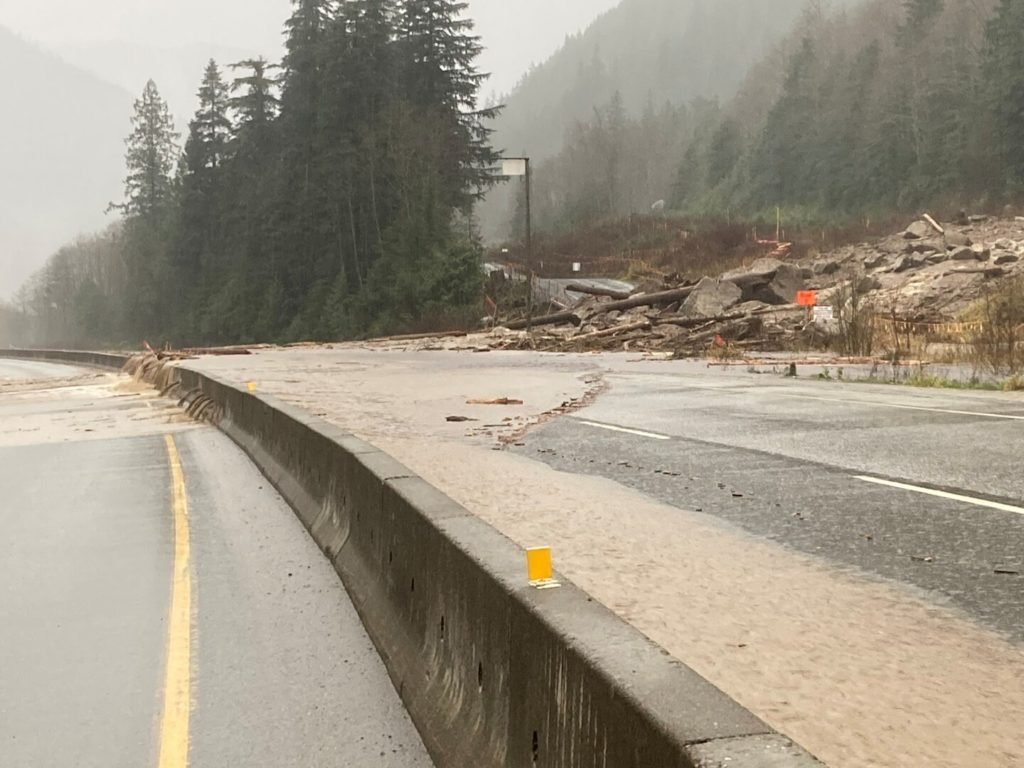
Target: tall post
{"type": "Point", "coordinates": [529, 253]}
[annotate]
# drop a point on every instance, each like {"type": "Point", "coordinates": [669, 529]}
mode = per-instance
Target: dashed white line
{"type": "Point", "coordinates": [624, 430]}
{"type": "Point", "coordinates": [943, 495]}
{"type": "Point", "coordinates": [979, 414]}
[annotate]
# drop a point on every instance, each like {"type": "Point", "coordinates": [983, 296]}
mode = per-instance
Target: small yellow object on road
{"type": "Point", "coordinates": [538, 568]}
{"type": "Point", "coordinates": [251, 386]}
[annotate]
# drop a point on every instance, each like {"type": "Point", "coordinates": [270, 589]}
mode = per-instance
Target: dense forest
{"type": "Point", "coordinates": [642, 58]}
{"type": "Point", "coordinates": [878, 109]}
{"type": "Point", "coordinates": [328, 196]}
{"type": "Point", "coordinates": [333, 195]}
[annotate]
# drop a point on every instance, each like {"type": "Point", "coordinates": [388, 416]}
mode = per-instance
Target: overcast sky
{"type": "Point", "coordinates": [516, 32]}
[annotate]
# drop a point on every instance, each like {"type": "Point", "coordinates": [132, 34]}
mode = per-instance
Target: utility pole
{"type": "Point", "coordinates": [520, 166]}
{"type": "Point", "coordinates": [529, 250]}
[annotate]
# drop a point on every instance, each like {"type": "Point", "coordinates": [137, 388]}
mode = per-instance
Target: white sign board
{"type": "Point", "coordinates": [577, 267]}
{"type": "Point", "coordinates": [513, 167]}
{"type": "Point", "coordinates": [824, 314]}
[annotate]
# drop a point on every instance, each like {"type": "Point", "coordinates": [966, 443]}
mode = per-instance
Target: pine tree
{"type": "Point", "coordinates": [920, 13]}
{"type": "Point", "coordinates": [723, 152]}
{"type": "Point", "coordinates": [257, 106]}
{"type": "Point", "coordinates": [441, 83]}
{"type": "Point", "coordinates": [202, 219]}
{"type": "Point", "coordinates": [781, 167]}
{"type": "Point", "coordinates": [151, 156]}
{"type": "Point", "coordinates": [303, 64]}
{"type": "Point", "coordinates": [211, 126]}
{"type": "Point", "coordinates": [1004, 73]}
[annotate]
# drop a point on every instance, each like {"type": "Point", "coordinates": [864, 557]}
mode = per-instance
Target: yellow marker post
{"type": "Point", "coordinates": [251, 386]}
{"type": "Point", "coordinates": [539, 571]}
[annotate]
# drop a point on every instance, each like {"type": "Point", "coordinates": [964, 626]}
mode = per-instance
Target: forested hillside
{"type": "Point", "coordinates": [883, 108]}
{"type": "Point", "coordinates": [327, 197]}
{"type": "Point", "coordinates": [59, 157]}
{"type": "Point", "coordinates": [648, 51]}
{"type": "Point", "coordinates": [889, 108]}
{"type": "Point", "coordinates": [644, 57]}
{"type": "Point", "coordinates": [331, 195]}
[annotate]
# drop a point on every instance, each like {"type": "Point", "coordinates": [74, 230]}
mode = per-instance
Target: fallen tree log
{"type": "Point", "coordinates": [555, 319]}
{"type": "Point", "coordinates": [696, 322]}
{"type": "Point", "coordinates": [649, 299]}
{"type": "Point", "coordinates": [934, 224]}
{"type": "Point", "coordinates": [640, 326]}
{"type": "Point", "coordinates": [421, 336]}
{"type": "Point", "coordinates": [594, 290]}
{"type": "Point", "coordinates": [986, 271]}
{"type": "Point", "coordinates": [640, 300]}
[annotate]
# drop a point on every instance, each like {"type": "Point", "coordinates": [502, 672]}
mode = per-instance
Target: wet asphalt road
{"type": "Point", "coordinates": [32, 369]}
{"type": "Point", "coordinates": [783, 459]}
{"type": "Point", "coordinates": [281, 671]}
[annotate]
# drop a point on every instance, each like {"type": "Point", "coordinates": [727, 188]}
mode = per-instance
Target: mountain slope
{"type": "Point", "coordinates": [650, 53]}
{"type": "Point", "coordinates": [648, 50]}
{"type": "Point", "coordinates": [61, 155]}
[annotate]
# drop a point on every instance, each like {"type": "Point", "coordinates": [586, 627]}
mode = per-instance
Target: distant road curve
{"type": "Point", "coordinates": [34, 369]}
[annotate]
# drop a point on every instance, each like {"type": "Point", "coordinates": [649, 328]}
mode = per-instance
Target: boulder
{"type": "Point", "coordinates": [867, 284]}
{"type": "Point", "coordinates": [1004, 257]}
{"type": "Point", "coordinates": [762, 269]}
{"type": "Point", "coordinates": [782, 288]}
{"type": "Point", "coordinates": [924, 246]}
{"type": "Point", "coordinates": [963, 253]}
{"type": "Point", "coordinates": [711, 298]}
{"type": "Point", "coordinates": [825, 267]}
{"type": "Point", "coordinates": [936, 258]}
{"type": "Point", "coordinates": [957, 239]}
{"type": "Point", "coordinates": [1005, 244]}
{"type": "Point", "coordinates": [907, 262]}
{"type": "Point", "coordinates": [875, 260]}
{"type": "Point", "coordinates": [981, 253]}
{"type": "Point", "coordinates": [918, 230]}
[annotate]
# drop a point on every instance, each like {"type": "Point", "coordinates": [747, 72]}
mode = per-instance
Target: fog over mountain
{"type": "Point", "coordinates": [60, 155]}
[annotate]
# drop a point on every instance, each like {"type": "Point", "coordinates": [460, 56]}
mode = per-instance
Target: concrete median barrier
{"type": "Point", "coordinates": [494, 673]}
{"type": "Point", "coordinates": [109, 360]}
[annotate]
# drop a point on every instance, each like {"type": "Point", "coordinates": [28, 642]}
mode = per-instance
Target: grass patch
{"type": "Point", "coordinates": [925, 380]}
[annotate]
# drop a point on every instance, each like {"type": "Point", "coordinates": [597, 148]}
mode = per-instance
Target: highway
{"type": "Point", "coordinates": [160, 605]}
{"type": "Point", "coordinates": [843, 559]}
{"type": "Point", "coordinates": [923, 487]}
{"type": "Point", "coordinates": [20, 370]}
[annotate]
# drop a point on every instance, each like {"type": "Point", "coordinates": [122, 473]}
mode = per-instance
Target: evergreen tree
{"type": "Point", "coordinates": [334, 200]}
{"type": "Point", "coordinates": [780, 161]}
{"type": "Point", "coordinates": [201, 224]}
{"type": "Point", "coordinates": [151, 156]}
{"type": "Point", "coordinates": [1004, 72]}
{"type": "Point", "coordinates": [211, 126]}
{"type": "Point", "coordinates": [441, 83]}
{"type": "Point", "coordinates": [301, 242]}
{"type": "Point", "coordinates": [920, 13]}
{"type": "Point", "coordinates": [724, 152]}
{"type": "Point", "coordinates": [257, 106]}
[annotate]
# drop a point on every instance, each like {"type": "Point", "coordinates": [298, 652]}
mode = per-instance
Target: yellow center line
{"type": "Point", "coordinates": [177, 683]}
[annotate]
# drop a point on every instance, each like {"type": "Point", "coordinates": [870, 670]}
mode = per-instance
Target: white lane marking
{"type": "Point", "coordinates": [1007, 416]}
{"type": "Point", "coordinates": [943, 495]}
{"type": "Point", "coordinates": [624, 430]}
